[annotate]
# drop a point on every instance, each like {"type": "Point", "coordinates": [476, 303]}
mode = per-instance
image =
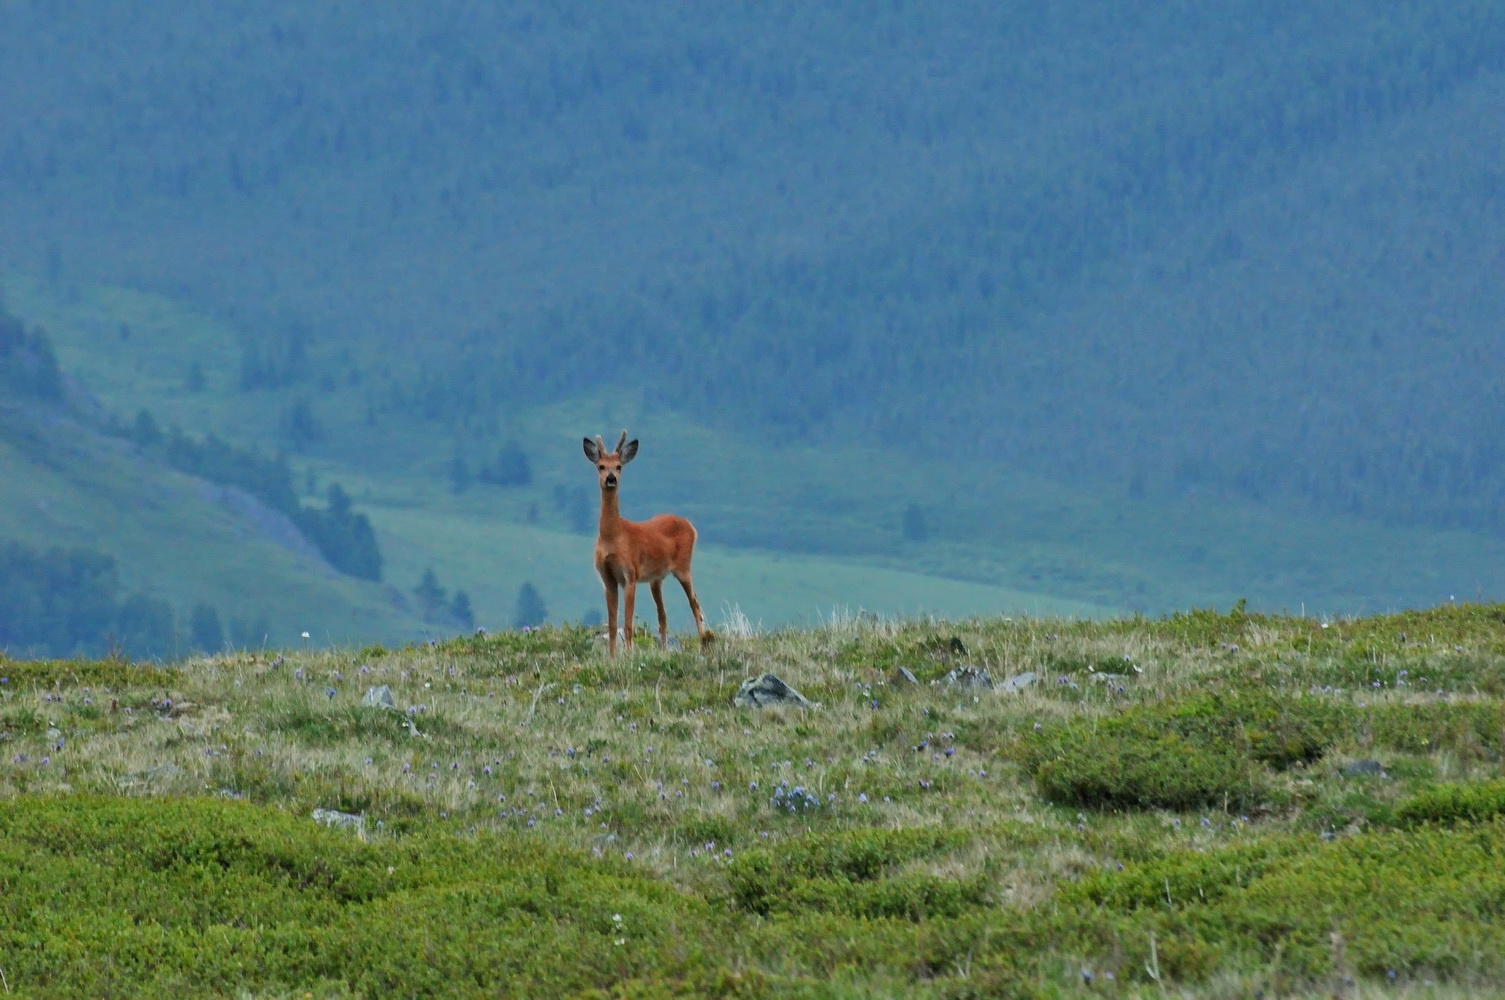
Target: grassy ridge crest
{"type": "Point", "coordinates": [533, 818]}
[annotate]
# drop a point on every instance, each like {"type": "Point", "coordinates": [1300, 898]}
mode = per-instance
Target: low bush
{"type": "Point", "coordinates": [1407, 903]}
{"type": "Point", "coordinates": [107, 675]}
{"type": "Point", "coordinates": [1120, 769]}
{"type": "Point", "coordinates": [855, 873]}
{"type": "Point", "coordinates": [1474, 730]}
{"type": "Point", "coordinates": [1204, 750]}
{"type": "Point", "coordinates": [200, 897]}
{"type": "Point", "coordinates": [1454, 803]}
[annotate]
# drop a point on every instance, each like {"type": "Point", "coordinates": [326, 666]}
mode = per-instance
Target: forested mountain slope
{"type": "Point", "coordinates": [1239, 247]}
{"type": "Point", "coordinates": [150, 544]}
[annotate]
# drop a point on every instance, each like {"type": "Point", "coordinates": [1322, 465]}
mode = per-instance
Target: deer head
{"type": "Point", "coordinates": [609, 463]}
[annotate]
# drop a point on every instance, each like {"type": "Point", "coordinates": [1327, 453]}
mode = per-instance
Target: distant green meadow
{"type": "Point", "coordinates": [1209, 804]}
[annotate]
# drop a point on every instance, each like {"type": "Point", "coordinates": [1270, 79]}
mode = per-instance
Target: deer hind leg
{"type": "Point", "coordinates": [611, 615]}
{"type": "Point", "coordinates": [657, 586]}
{"type": "Point", "coordinates": [700, 629]}
{"type": "Point", "coordinates": [628, 601]}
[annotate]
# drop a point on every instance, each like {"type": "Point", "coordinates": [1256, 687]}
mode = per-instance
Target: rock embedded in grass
{"type": "Point", "coordinates": [379, 697]}
{"type": "Point", "coordinates": [759, 692]}
{"type": "Point", "coordinates": [969, 677]}
{"type": "Point", "coordinates": [333, 817]}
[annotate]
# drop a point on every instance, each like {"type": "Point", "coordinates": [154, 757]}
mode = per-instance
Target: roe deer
{"type": "Point", "coordinates": [629, 552]}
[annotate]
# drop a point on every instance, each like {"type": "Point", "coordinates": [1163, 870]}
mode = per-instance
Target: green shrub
{"type": "Point", "coordinates": [1475, 730]}
{"type": "Point", "coordinates": [202, 897]}
{"type": "Point", "coordinates": [1200, 751]}
{"type": "Point", "coordinates": [1449, 804]}
{"type": "Point", "coordinates": [1132, 770]}
{"type": "Point", "coordinates": [854, 873]}
{"type": "Point", "coordinates": [1412, 903]}
{"type": "Point", "coordinates": [111, 675]}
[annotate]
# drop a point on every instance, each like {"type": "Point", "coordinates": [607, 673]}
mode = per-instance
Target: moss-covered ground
{"type": "Point", "coordinates": [1213, 805]}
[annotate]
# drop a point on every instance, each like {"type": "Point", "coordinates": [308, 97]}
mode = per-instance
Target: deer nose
{"type": "Point", "coordinates": [611, 479]}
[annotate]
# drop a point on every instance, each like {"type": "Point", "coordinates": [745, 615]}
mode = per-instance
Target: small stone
{"type": "Point", "coordinates": [970, 677]}
{"type": "Point", "coordinates": [333, 817]}
{"type": "Point", "coordinates": [1364, 769]}
{"type": "Point", "coordinates": [379, 697]}
{"type": "Point", "coordinates": [162, 772]}
{"type": "Point", "coordinates": [1019, 681]}
{"type": "Point", "coordinates": [903, 675]}
{"type": "Point", "coordinates": [767, 690]}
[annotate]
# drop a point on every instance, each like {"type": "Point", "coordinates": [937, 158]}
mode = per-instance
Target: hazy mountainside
{"type": "Point", "coordinates": [1237, 248]}
{"type": "Point", "coordinates": [854, 527]}
{"type": "Point", "coordinates": [106, 542]}
{"type": "Point", "coordinates": [280, 547]}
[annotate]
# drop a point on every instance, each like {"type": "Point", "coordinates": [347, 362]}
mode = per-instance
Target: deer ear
{"type": "Point", "coordinates": [591, 451]}
{"type": "Point", "coordinates": [629, 451]}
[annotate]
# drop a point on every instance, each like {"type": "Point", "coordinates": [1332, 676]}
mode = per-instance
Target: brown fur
{"type": "Point", "coordinates": [633, 552]}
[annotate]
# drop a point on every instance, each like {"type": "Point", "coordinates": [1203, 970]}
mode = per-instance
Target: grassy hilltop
{"type": "Point", "coordinates": [1203, 805]}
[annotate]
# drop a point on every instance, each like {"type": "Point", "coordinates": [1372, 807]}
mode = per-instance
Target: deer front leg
{"type": "Point", "coordinates": [611, 615]}
{"type": "Point", "coordinates": [628, 600]}
{"type": "Point", "coordinates": [657, 586]}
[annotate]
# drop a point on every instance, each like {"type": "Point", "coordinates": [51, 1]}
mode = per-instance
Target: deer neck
{"type": "Point", "coordinates": [611, 514]}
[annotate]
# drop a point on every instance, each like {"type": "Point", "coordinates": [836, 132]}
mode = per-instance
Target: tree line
{"type": "Point", "coordinates": [59, 602]}
{"type": "Point", "coordinates": [340, 533]}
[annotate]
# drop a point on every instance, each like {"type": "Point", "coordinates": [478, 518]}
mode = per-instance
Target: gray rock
{"type": "Point", "coordinates": [333, 817]}
{"type": "Point", "coordinates": [162, 772]}
{"type": "Point", "coordinates": [904, 675]}
{"type": "Point", "coordinates": [1019, 681]}
{"type": "Point", "coordinates": [767, 690]}
{"type": "Point", "coordinates": [970, 677]}
{"type": "Point", "coordinates": [1107, 678]}
{"type": "Point", "coordinates": [379, 697]}
{"type": "Point", "coordinates": [1364, 769]}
